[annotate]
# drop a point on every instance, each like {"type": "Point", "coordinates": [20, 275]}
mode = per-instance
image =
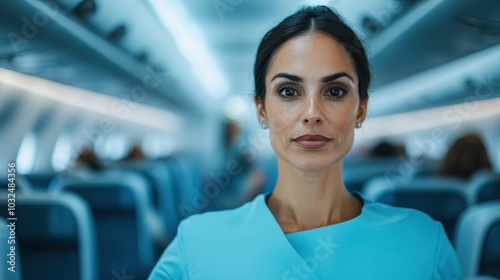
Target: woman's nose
{"type": "Point", "coordinates": [312, 120]}
{"type": "Point", "coordinates": [313, 114]}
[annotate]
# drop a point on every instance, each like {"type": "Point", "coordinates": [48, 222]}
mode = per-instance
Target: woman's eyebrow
{"type": "Point", "coordinates": [291, 77]}
{"type": "Point", "coordinates": [326, 79]}
{"type": "Point", "coordinates": [335, 76]}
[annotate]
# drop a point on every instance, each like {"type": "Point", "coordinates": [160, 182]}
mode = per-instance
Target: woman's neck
{"type": "Point", "coordinates": [305, 200]}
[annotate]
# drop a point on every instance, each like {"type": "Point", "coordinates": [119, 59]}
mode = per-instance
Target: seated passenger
{"type": "Point", "coordinates": [466, 156]}
{"type": "Point", "coordinates": [245, 185]}
{"type": "Point", "coordinates": [386, 150]}
{"type": "Point", "coordinates": [135, 153]}
{"type": "Point", "coordinates": [87, 159]}
{"type": "Point", "coordinates": [311, 77]}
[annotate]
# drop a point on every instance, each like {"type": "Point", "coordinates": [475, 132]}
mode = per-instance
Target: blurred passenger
{"type": "Point", "coordinates": [386, 149]}
{"type": "Point", "coordinates": [135, 153]}
{"type": "Point", "coordinates": [311, 77]}
{"type": "Point", "coordinates": [87, 159]}
{"type": "Point", "coordinates": [466, 156]}
{"type": "Point", "coordinates": [248, 182]}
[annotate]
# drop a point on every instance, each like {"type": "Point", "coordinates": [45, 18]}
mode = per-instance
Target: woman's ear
{"type": "Point", "coordinates": [362, 109]}
{"type": "Point", "coordinates": [261, 110]}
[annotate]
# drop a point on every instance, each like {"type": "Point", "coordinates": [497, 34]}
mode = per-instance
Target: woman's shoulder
{"type": "Point", "coordinates": [398, 228]}
{"type": "Point", "coordinates": [423, 239]}
{"type": "Point", "coordinates": [380, 214]}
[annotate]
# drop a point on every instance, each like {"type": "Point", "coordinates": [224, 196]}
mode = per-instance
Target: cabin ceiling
{"type": "Point", "coordinates": [110, 46]}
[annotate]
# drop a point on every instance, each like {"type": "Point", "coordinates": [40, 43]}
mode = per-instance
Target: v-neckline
{"type": "Point", "coordinates": [277, 234]}
{"type": "Point", "coordinates": [282, 241]}
{"type": "Point", "coordinates": [355, 219]}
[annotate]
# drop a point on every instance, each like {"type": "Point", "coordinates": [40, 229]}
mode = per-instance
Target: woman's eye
{"type": "Point", "coordinates": [287, 92]}
{"type": "Point", "coordinates": [337, 92]}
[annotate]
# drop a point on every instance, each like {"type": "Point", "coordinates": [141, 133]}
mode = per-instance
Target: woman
{"type": "Point", "coordinates": [311, 77]}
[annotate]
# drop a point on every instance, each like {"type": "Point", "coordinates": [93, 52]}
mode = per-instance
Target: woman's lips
{"type": "Point", "coordinates": [310, 141]}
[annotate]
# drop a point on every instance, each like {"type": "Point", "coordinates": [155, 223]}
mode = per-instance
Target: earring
{"type": "Point", "coordinates": [263, 125]}
{"type": "Point", "coordinates": [358, 125]}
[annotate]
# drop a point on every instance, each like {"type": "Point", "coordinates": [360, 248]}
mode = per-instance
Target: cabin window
{"type": "Point", "coordinates": [25, 160]}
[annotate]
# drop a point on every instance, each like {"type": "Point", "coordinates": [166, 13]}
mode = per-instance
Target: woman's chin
{"type": "Point", "coordinates": [313, 165]}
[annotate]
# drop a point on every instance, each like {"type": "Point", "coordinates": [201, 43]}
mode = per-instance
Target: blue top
{"type": "Point", "coordinates": [383, 242]}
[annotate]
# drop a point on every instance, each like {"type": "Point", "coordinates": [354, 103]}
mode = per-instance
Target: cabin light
{"type": "Point", "coordinates": [452, 116]}
{"type": "Point", "coordinates": [190, 43]}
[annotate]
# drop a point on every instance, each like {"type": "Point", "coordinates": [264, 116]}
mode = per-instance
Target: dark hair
{"type": "Point", "coordinates": [466, 156]}
{"type": "Point", "coordinates": [385, 149]}
{"type": "Point", "coordinates": [88, 157]}
{"type": "Point", "coordinates": [308, 19]}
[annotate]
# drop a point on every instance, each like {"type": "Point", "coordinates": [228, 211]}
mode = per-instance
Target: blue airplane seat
{"type": "Point", "coordinates": [168, 198]}
{"type": "Point", "coordinates": [478, 239]}
{"type": "Point", "coordinates": [480, 277]}
{"type": "Point", "coordinates": [357, 172]}
{"type": "Point", "coordinates": [20, 182]}
{"type": "Point", "coordinates": [442, 198]}
{"type": "Point", "coordinates": [54, 235]}
{"type": "Point", "coordinates": [427, 167]}
{"type": "Point", "coordinates": [165, 196]}
{"type": "Point", "coordinates": [484, 186]}
{"type": "Point", "coordinates": [187, 176]}
{"type": "Point", "coordinates": [39, 182]}
{"type": "Point", "coordinates": [124, 218]}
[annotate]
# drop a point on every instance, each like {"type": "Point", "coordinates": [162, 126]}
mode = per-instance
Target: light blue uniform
{"type": "Point", "coordinates": [383, 242]}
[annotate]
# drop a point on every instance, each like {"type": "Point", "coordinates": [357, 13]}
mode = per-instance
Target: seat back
{"type": "Point", "coordinates": [357, 173]}
{"type": "Point", "coordinates": [39, 182]}
{"type": "Point", "coordinates": [187, 172]}
{"type": "Point", "coordinates": [54, 235]}
{"type": "Point", "coordinates": [164, 195]}
{"type": "Point", "coordinates": [20, 184]}
{"type": "Point", "coordinates": [442, 198]}
{"type": "Point", "coordinates": [490, 258]}
{"type": "Point", "coordinates": [120, 205]}
{"type": "Point", "coordinates": [478, 239]}
{"type": "Point", "coordinates": [168, 198]}
{"type": "Point", "coordinates": [481, 277]}
{"type": "Point", "coordinates": [484, 186]}
{"type": "Point", "coordinates": [428, 167]}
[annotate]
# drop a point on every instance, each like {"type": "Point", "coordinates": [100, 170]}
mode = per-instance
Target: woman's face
{"type": "Point", "coordinates": [312, 103]}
